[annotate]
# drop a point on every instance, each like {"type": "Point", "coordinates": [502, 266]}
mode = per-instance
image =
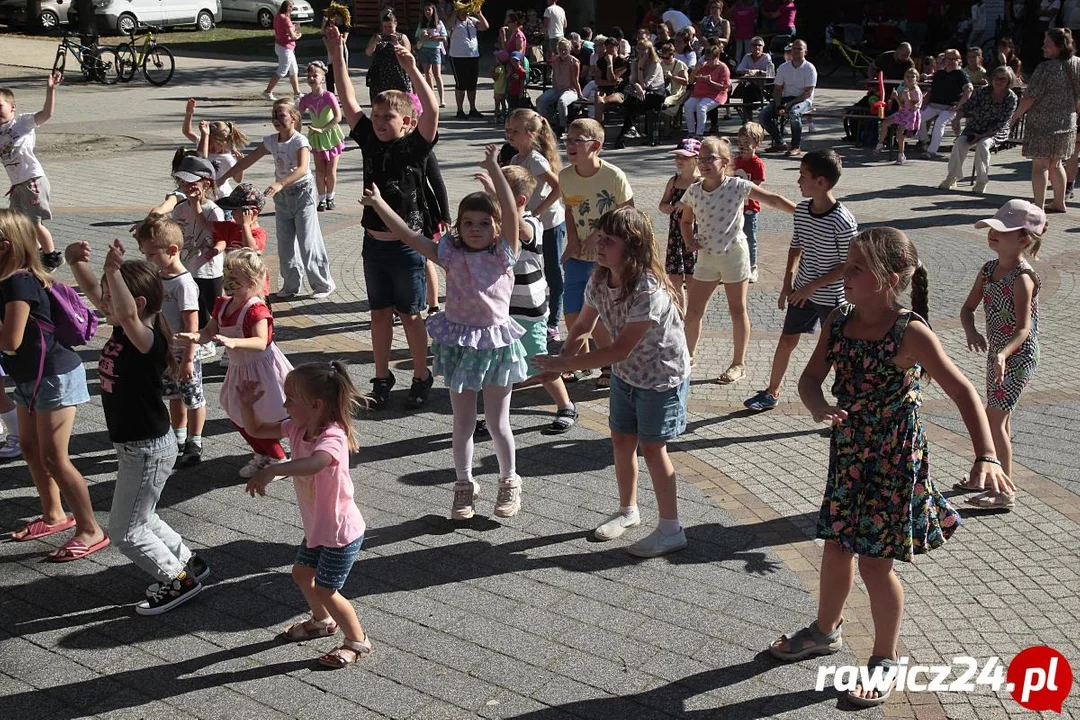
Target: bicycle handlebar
{"type": "Point", "coordinates": [143, 26]}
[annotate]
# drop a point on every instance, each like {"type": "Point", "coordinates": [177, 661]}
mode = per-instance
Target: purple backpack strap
{"type": "Point", "coordinates": [42, 327]}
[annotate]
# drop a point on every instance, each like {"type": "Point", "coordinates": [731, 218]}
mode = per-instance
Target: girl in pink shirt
{"type": "Point", "coordinates": [320, 399]}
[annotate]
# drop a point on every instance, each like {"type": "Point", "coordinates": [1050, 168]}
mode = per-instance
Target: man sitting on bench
{"type": "Point", "coordinates": [793, 95]}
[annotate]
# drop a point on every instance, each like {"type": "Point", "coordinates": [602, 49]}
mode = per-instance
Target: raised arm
{"type": "Point", "coordinates": [123, 308]}
{"type": "Point", "coordinates": [46, 112]}
{"type": "Point", "coordinates": [77, 255]}
{"type": "Point", "coordinates": [189, 115]}
{"type": "Point", "coordinates": [511, 230]}
{"type": "Point", "coordinates": [428, 124]}
{"type": "Point", "coordinates": [204, 139]}
{"type": "Point", "coordinates": [481, 22]}
{"type": "Point", "coordinates": [399, 228]}
{"type": "Point", "coordinates": [335, 49]}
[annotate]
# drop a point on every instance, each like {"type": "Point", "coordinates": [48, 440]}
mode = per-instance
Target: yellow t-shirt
{"type": "Point", "coordinates": [588, 198]}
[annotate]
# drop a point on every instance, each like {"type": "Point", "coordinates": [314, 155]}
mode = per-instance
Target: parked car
{"type": "Point", "coordinates": [120, 16]}
{"type": "Point", "coordinates": [262, 12]}
{"type": "Point", "coordinates": [50, 13]}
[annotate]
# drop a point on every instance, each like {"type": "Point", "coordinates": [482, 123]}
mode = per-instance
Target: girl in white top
{"type": "Point", "coordinates": [295, 204]}
{"type": "Point", "coordinates": [716, 204]}
{"type": "Point", "coordinates": [538, 152]}
{"type": "Point", "coordinates": [220, 142]}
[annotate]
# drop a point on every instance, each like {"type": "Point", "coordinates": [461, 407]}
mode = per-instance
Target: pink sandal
{"type": "Point", "coordinates": [76, 549]}
{"type": "Point", "coordinates": [39, 529]}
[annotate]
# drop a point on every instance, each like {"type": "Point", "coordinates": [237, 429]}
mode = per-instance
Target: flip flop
{"type": "Point", "coordinates": [963, 486]}
{"type": "Point", "coordinates": [986, 501]}
{"type": "Point", "coordinates": [76, 549]}
{"type": "Point", "coordinates": [39, 529]}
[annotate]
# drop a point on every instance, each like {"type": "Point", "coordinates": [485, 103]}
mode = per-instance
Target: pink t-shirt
{"type": "Point", "coordinates": [478, 284]}
{"type": "Point", "coordinates": [704, 89]}
{"type": "Point", "coordinates": [786, 18]}
{"type": "Point", "coordinates": [283, 27]}
{"type": "Point", "coordinates": [743, 22]}
{"type": "Point", "coordinates": [331, 518]}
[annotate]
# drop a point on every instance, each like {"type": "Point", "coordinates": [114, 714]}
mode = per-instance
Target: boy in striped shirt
{"type": "Point", "coordinates": [814, 279]}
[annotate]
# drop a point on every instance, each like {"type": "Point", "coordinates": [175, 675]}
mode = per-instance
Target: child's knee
{"type": "Point", "coordinates": [654, 450]}
{"type": "Point", "coordinates": [303, 575]}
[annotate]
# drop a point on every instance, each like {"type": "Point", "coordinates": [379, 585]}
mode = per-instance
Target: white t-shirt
{"type": "Point", "coordinates": [463, 41]}
{"type": "Point", "coordinates": [286, 154]}
{"type": "Point", "coordinates": [536, 163]}
{"type": "Point", "coordinates": [197, 240]}
{"type": "Point", "coordinates": [223, 163]}
{"type": "Point", "coordinates": [660, 361]}
{"type": "Point", "coordinates": [796, 79]}
{"type": "Point", "coordinates": [719, 214]}
{"type": "Point", "coordinates": [677, 20]}
{"type": "Point", "coordinates": [181, 294]}
{"type": "Point", "coordinates": [17, 140]}
{"type": "Point", "coordinates": [557, 25]}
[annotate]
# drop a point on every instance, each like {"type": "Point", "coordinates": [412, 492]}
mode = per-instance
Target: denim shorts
{"type": "Point", "coordinates": [652, 415]}
{"type": "Point", "coordinates": [804, 319]}
{"type": "Point", "coordinates": [575, 277]}
{"type": "Point", "coordinates": [331, 565]}
{"type": "Point", "coordinates": [429, 56]}
{"type": "Point", "coordinates": [54, 392]}
{"type": "Point", "coordinates": [394, 275]}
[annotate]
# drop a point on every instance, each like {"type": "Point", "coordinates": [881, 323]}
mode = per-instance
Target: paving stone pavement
{"type": "Point", "coordinates": [529, 617]}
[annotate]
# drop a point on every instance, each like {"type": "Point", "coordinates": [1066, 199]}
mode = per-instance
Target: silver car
{"type": "Point", "coordinates": [261, 12]}
{"type": "Point", "coordinates": [50, 13]}
{"type": "Point", "coordinates": [122, 16]}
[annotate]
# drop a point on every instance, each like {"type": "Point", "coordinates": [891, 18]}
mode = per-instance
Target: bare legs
{"type": "Point", "coordinates": [1042, 170]}
{"type": "Point", "coordinates": [698, 297]}
{"type": "Point", "coordinates": [662, 471]}
{"type": "Point", "coordinates": [326, 603]}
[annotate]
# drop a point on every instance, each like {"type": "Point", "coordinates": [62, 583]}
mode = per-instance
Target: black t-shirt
{"type": "Point", "coordinates": [131, 387]}
{"type": "Point", "coordinates": [948, 86]}
{"type": "Point", "coordinates": [893, 69]}
{"type": "Point", "coordinates": [23, 365]}
{"type": "Point", "coordinates": [607, 68]}
{"type": "Point", "coordinates": [397, 168]}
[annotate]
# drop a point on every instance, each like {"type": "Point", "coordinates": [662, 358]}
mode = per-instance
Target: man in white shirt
{"type": "Point", "coordinates": [677, 20]}
{"type": "Point", "coordinates": [793, 95]}
{"type": "Point", "coordinates": [554, 26]}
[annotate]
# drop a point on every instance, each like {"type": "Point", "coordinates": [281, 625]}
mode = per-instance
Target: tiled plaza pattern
{"type": "Point", "coordinates": [529, 617]}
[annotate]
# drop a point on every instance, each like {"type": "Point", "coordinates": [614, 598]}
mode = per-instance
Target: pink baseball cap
{"type": "Point", "coordinates": [688, 147]}
{"type": "Point", "coordinates": [1017, 215]}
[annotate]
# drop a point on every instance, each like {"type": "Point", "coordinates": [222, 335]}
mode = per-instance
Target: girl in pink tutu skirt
{"type": "Point", "coordinates": [243, 325]}
{"type": "Point", "coordinates": [475, 342]}
{"type": "Point", "coordinates": [324, 133]}
{"type": "Point", "coordinates": [908, 118]}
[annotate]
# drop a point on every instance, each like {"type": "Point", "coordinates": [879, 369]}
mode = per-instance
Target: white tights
{"type": "Point", "coordinates": [497, 414]}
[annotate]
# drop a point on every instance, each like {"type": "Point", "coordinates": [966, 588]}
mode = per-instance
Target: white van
{"type": "Point", "coordinates": [121, 16]}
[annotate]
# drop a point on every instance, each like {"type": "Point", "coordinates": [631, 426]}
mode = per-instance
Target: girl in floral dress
{"type": "Point", "coordinates": [1008, 289]}
{"type": "Point", "coordinates": [679, 260]}
{"type": "Point", "coordinates": [880, 503]}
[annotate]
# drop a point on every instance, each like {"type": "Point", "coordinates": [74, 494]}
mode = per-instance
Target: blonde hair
{"type": "Point", "coordinates": [589, 128]}
{"type": "Point", "coordinates": [294, 111]}
{"type": "Point", "coordinates": [1034, 242]}
{"type": "Point", "coordinates": [521, 181]}
{"type": "Point", "coordinates": [7, 94]}
{"type": "Point", "coordinates": [247, 264]}
{"type": "Point", "coordinates": [753, 132]}
{"type": "Point", "coordinates": [544, 141]}
{"type": "Point", "coordinates": [226, 133]}
{"type": "Point", "coordinates": [330, 383]}
{"type": "Point", "coordinates": [17, 230]}
{"type": "Point", "coordinates": [650, 51]}
{"type": "Point", "coordinates": [640, 254]}
{"type": "Point", "coordinates": [159, 232]}
{"type": "Point", "coordinates": [721, 147]}
{"type": "Point", "coordinates": [397, 101]}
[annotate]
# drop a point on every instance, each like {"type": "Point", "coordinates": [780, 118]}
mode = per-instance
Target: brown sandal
{"type": "Point", "coordinates": [345, 655]}
{"type": "Point", "coordinates": [301, 631]}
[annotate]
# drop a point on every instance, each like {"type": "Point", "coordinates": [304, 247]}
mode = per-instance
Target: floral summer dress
{"type": "Point", "coordinates": [679, 260]}
{"type": "Point", "coordinates": [879, 500]}
{"type": "Point", "coordinates": [1000, 326]}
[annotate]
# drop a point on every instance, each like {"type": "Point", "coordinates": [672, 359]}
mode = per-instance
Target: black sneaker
{"type": "Point", "coordinates": [170, 594]}
{"type": "Point", "coordinates": [481, 429]}
{"type": "Point", "coordinates": [196, 568]}
{"type": "Point", "coordinates": [321, 207]}
{"type": "Point", "coordinates": [476, 114]}
{"type": "Point", "coordinates": [330, 204]}
{"type": "Point", "coordinates": [380, 392]}
{"type": "Point", "coordinates": [190, 456]}
{"type": "Point", "coordinates": [420, 388]}
{"type": "Point", "coordinates": [52, 260]}
{"type": "Point", "coordinates": [461, 115]}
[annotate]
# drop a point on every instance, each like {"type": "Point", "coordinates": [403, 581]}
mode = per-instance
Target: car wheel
{"type": "Point", "coordinates": [266, 18]}
{"type": "Point", "coordinates": [48, 20]}
{"type": "Point", "coordinates": [126, 23]}
{"type": "Point", "coordinates": [205, 21]}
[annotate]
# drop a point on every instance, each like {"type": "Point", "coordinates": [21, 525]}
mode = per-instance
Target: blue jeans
{"type": "Point", "coordinates": [554, 240]}
{"type": "Point", "coordinates": [298, 228]}
{"type": "Point", "coordinates": [749, 228]}
{"type": "Point", "coordinates": [769, 115]}
{"type": "Point", "coordinates": [142, 467]}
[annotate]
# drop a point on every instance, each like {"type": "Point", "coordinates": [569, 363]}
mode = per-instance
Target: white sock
{"type": "Point", "coordinates": [181, 435]}
{"type": "Point", "coordinates": [629, 511]}
{"type": "Point", "coordinates": [322, 197]}
{"type": "Point", "coordinates": [10, 419]}
{"type": "Point", "coordinates": [330, 196]}
{"type": "Point", "coordinates": [668, 527]}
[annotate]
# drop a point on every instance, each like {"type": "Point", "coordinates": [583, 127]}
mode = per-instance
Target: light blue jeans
{"type": "Point", "coordinates": [749, 227]}
{"type": "Point", "coordinates": [298, 228]}
{"type": "Point", "coordinates": [769, 115]}
{"type": "Point", "coordinates": [562, 99]}
{"type": "Point", "coordinates": [134, 526]}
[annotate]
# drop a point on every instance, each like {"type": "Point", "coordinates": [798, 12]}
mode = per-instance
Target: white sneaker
{"type": "Point", "coordinates": [753, 274]}
{"type": "Point", "coordinates": [617, 525]}
{"type": "Point", "coordinates": [255, 464]}
{"type": "Point", "coordinates": [465, 494]}
{"type": "Point", "coordinates": [656, 544]}
{"type": "Point", "coordinates": [269, 95]}
{"type": "Point", "coordinates": [980, 188]}
{"type": "Point", "coordinates": [508, 501]}
{"type": "Point", "coordinates": [207, 351]}
{"type": "Point", "coordinates": [10, 447]}
{"type": "Point", "coordinates": [325, 293]}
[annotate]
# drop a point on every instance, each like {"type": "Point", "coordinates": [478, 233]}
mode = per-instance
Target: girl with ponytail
{"type": "Point", "coordinates": [880, 503]}
{"type": "Point", "coordinates": [131, 372]}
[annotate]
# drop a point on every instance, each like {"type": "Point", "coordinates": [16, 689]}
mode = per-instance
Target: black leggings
{"type": "Point", "coordinates": [466, 72]}
{"type": "Point", "coordinates": [635, 107]}
{"type": "Point", "coordinates": [209, 291]}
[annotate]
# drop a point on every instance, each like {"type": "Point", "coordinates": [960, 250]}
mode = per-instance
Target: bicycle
{"type": "Point", "coordinates": [156, 60]}
{"type": "Point", "coordinates": [98, 64]}
{"type": "Point", "coordinates": [840, 53]}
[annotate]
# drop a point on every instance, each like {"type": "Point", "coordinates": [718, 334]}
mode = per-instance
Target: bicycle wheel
{"type": "Point", "coordinates": [127, 63]}
{"type": "Point", "coordinates": [158, 65]}
{"type": "Point", "coordinates": [108, 66]}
